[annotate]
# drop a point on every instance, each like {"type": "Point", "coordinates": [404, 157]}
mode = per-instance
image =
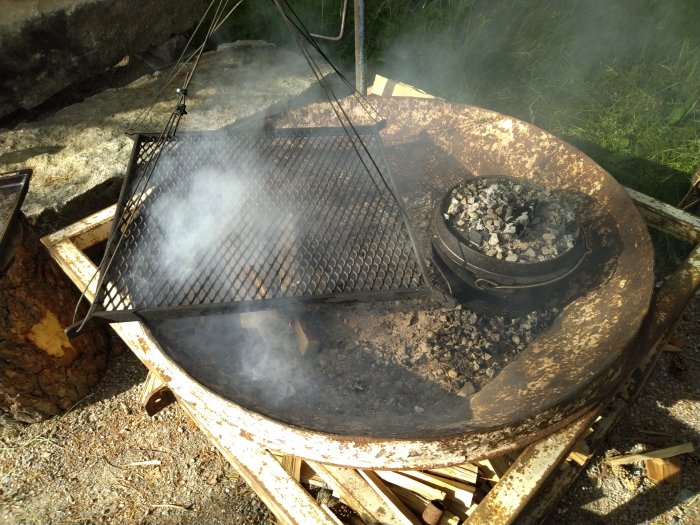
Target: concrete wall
{"type": "Point", "coordinates": [46, 45]}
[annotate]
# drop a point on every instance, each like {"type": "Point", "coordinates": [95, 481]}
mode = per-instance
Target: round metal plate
{"type": "Point", "coordinates": [564, 372]}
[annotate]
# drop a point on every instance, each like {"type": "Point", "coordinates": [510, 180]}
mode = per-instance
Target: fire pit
{"type": "Point", "coordinates": [414, 383]}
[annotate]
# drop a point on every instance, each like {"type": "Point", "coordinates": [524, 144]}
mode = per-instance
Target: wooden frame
{"type": "Point", "coordinates": [514, 495]}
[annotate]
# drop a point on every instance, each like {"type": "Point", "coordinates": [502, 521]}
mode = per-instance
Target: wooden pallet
{"type": "Point", "coordinates": [495, 491]}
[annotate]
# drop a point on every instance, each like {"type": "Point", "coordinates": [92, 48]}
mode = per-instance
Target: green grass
{"type": "Point", "coordinates": [618, 78]}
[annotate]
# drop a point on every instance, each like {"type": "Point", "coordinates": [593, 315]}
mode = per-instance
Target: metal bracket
{"type": "Point", "coordinates": [360, 48]}
{"type": "Point", "coordinates": [341, 33]}
{"type": "Point", "coordinates": [156, 395]}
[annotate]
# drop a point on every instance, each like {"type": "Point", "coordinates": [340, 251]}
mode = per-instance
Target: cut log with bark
{"type": "Point", "coordinates": [42, 372]}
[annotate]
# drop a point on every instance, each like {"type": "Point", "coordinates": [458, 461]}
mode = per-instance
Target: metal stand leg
{"type": "Point", "coordinates": [360, 50]}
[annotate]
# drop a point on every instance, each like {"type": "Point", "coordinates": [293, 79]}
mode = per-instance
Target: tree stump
{"type": "Point", "coordinates": [42, 372]}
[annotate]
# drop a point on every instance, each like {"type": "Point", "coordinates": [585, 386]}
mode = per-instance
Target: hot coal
{"type": "Point", "coordinates": [511, 219]}
{"type": "Point", "coordinates": [460, 350]}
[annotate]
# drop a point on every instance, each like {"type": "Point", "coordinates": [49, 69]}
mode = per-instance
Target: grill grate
{"type": "Point", "coordinates": [238, 219]}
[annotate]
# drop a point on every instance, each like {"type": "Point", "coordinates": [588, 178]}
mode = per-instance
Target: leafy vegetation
{"type": "Point", "coordinates": [618, 78]}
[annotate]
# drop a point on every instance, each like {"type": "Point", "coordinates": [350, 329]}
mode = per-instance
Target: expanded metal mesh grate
{"type": "Point", "coordinates": [239, 219]}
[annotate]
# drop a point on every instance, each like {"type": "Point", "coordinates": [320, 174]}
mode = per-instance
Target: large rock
{"type": "Point", "coordinates": [80, 154]}
{"type": "Point", "coordinates": [46, 45]}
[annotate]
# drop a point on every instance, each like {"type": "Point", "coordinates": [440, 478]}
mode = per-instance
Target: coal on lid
{"type": "Point", "coordinates": [511, 219]}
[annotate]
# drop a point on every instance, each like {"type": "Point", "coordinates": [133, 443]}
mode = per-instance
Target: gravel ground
{"type": "Point", "coordinates": [88, 466]}
{"type": "Point", "coordinates": [107, 462]}
{"type": "Point", "coordinates": [670, 407]}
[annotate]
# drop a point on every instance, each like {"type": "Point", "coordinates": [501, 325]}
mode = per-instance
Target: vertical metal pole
{"type": "Point", "coordinates": [360, 51]}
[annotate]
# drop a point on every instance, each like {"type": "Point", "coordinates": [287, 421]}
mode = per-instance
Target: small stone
{"type": "Point", "coordinates": [452, 374]}
{"type": "Point", "coordinates": [515, 339]}
{"type": "Point", "coordinates": [418, 409]}
{"type": "Point", "coordinates": [511, 257]}
{"type": "Point", "coordinates": [467, 390]}
{"type": "Point", "coordinates": [493, 240]}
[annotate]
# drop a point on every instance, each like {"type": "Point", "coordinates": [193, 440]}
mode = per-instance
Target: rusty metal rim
{"type": "Point", "coordinates": [352, 451]}
{"type": "Point", "coordinates": [463, 444]}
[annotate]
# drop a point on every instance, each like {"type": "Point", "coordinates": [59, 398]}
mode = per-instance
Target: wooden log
{"type": "Point", "coordinates": [466, 473]}
{"type": "Point", "coordinates": [493, 469]}
{"type": "Point", "coordinates": [454, 490]}
{"type": "Point", "coordinates": [669, 452]}
{"type": "Point", "coordinates": [414, 501]}
{"type": "Point", "coordinates": [42, 372]}
{"type": "Point", "coordinates": [395, 505]}
{"type": "Point", "coordinates": [354, 490]}
{"type": "Point", "coordinates": [433, 513]}
{"type": "Point", "coordinates": [414, 485]}
{"type": "Point", "coordinates": [292, 464]}
{"type": "Point", "coordinates": [155, 395]}
{"type": "Point", "coordinates": [304, 341]}
{"type": "Point", "coordinates": [664, 470]}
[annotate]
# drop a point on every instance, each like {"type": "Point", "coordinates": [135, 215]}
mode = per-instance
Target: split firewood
{"type": "Point", "coordinates": [412, 484]}
{"type": "Point", "coordinates": [259, 285]}
{"type": "Point", "coordinates": [351, 488]}
{"type": "Point", "coordinates": [292, 464]}
{"type": "Point", "coordinates": [581, 452]}
{"type": "Point", "coordinates": [669, 452]}
{"type": "Point", "coordinates": [271, 327]}
{"type": "Point", "coordinates": [664, 470]}
{"type": "Point", "coordinates": [418, 504]}
{"type": "Point", "coordinates": [492, 469]}
{"type": "Point", "coordinates": [260, 320]}
{"type": "Point", "coordinates": [131, 209]}
{"type": "Point", "coordinates": [412, 500]}
{"type": "Point", "coordinates": [307, 474]}
{"type": "Point", "coordinates": [466, 473]}
{"type": "Point", "coordinates": [304, 341]}
{"type": "Point", "coordinates": [392, 500]}
{"type": "Point", "coordinates": [677, 342]}
{"type": "Point", "coordinates": [455, 490]}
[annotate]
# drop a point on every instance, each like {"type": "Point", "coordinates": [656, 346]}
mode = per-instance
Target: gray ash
{"type": "Point", "coordinates": [512, 220]}
{"type": "Point", "coordinates": [374, 365]}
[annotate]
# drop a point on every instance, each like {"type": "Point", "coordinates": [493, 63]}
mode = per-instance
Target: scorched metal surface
{"type": "Point", "coordinates": [241, 220]}
{"type": "Point", "coordinates": [577, 362]}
